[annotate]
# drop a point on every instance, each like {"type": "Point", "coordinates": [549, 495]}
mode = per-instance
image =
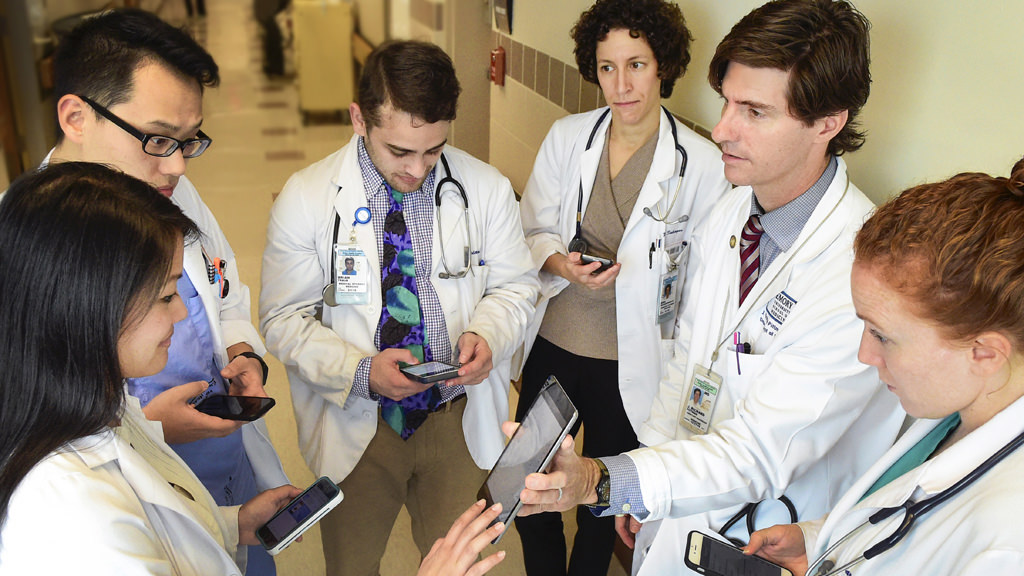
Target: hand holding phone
{"type": "Point", "coordinates": [530, 449]}
{"type": "Point", "coordinates": [246, 408]}
{"type": "Point", "coordinates": [707, 555]}
{"type": "Point", "coordinates": [299, 515]}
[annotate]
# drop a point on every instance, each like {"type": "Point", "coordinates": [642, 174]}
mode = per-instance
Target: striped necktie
{"type": "Point", "coordinates": [750, 254]}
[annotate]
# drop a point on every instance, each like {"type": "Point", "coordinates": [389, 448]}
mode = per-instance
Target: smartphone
{"type": "Point", "coordinates": [707, 555]}
{"type": "Point", "coordinates": [299, 515]}
{"type": "Point", "coordinates": [605, 263]}
{"type": "Point", "coordinates": [431, 371]}
{"type": "Point", "coordinates": [246, 408]}
{"type": "Point", "coordinates": [530, 449]}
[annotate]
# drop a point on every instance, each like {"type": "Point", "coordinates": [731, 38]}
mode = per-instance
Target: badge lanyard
{"type": "Point", "coordinates": [349, 281]}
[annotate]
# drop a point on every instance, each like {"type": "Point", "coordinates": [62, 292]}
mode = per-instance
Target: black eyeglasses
{"type": "Point", "coordinates": [154, 144]}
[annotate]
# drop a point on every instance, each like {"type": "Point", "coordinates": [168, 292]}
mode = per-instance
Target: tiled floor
{"type": "Point", "coordinates": [259, 141]}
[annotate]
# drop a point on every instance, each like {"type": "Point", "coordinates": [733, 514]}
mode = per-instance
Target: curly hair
{"type": "Point", "coordinates": [658, 22]}
{"type": "Point", "coordinates": [955, 250]}
{"type": "Point", "coordinates": [822, 44]}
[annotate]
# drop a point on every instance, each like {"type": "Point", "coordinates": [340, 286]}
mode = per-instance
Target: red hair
{"type": "Point", "coordinates": [955, 249]}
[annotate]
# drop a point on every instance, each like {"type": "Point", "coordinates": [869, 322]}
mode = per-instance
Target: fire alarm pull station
{"type": "Point", "coordinates": [498, 66]}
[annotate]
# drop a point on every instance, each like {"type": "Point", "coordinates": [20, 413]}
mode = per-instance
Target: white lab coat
{"type": "Point", "coordinates": [801, 416]}
{"type": "Point", "coordinates": [98, 507]}
{"type": "Point", "coordinates": [321, 346]}
{"type": "Point", "coordinates": [230, 318]}
{"type": "Point", "coordinates": [976, 533]}
{"type": "Point", "coordinates": [548, 211]}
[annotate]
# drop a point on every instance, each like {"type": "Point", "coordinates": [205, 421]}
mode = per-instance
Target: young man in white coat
{"type": "Point", "coordinates": [768, 332]}
{"type": "Point", "coordinates": [129, 93]}
{"type": "Point", "coordinates": [445, 276]}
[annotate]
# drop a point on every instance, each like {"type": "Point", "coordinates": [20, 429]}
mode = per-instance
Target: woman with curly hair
{"type": "Point", "coordinates": [625, 183]}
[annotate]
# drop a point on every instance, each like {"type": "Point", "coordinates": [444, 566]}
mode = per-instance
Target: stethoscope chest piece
{"type": "Point", "coordinates": [329, 295]}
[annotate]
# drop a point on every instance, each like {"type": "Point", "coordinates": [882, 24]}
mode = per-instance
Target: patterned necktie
{"type": "Point", "coordinates": [750, 254]}
{"type": "Point", "coordinates": [401, 320]}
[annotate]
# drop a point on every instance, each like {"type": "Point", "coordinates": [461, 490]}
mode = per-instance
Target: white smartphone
{"type": "Point", "coordinates": [707, 555]}
{"type": "Point", "coordinates": [299, 515]}
{"type": "Point", "coordinates": [530, 449]}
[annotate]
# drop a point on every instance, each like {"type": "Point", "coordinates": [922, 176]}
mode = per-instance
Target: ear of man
{"type": "Point", "coordinates": [829, 126]}
{"type": "Point", "coordinates": [73, 116]}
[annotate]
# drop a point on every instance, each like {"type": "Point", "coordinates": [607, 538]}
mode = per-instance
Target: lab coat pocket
{"type": "Point", "coordinates": [471, 288]}
{"type": "Point", "coordinates": [742, 372]}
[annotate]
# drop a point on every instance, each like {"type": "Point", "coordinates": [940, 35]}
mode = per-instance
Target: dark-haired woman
{"type": "Point", "coordinates": [938, 278]}
{"type": "Point", "coordinates": [89, 263]}
{"type": "Point", "coordinates": [608, 184]}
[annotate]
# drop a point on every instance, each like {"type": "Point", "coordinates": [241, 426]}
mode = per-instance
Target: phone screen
{"type": "Point", "coordinates": [546, 422]}
{"type": "Point", "coordinates": [720, 558]}
{"type": "Point", "coordinates": [236, 407]}
{"type": "Point", "coordinates": [297, 511]}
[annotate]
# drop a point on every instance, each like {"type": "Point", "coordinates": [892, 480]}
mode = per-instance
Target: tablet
{"type": "Point", "coordinates": [530, 449]}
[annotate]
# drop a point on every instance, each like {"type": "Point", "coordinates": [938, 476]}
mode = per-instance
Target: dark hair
{"type": "Point", "coordinates": [414, 77]}
{"type": "Point", "coordinates": [955, 250]}
{"type": "Point", "coordinates": [659, 23]}
{"type": "Point", "coordinates": [98, 59]}
{"type": "Point", "coordinates": [822, 44]}
{"type": "Point", "coordinates": [83, 251]}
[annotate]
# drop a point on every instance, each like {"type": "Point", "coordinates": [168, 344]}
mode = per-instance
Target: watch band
{"type": "Point", "coordinates": [604, 486]}
{"type": "Point", "coordinates": [258, 358]}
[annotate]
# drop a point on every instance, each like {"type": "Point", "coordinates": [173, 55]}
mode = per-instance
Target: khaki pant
{"type": "Point", "coordinates": [431, 473]}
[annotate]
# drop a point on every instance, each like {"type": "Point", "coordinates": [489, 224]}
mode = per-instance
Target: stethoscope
{"type": "Point", "coordinates": [912, 512]}
{"type": "Point", "coordinates": [749, 511]}
{"type": "Point", "coordinates": [578, 244]}
{"type": "Point", "coordinates": [362, 216]}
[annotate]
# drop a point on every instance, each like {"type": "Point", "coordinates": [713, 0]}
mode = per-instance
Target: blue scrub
{"type": "Point", "coordinates": [221, 464]}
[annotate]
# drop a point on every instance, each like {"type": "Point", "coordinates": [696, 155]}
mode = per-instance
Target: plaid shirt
{"type": "Point", "coordinates": [418, 208]}
{"type": "Point", "coordinates": [784, 224]}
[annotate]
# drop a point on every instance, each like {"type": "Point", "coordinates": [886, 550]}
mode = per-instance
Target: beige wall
{"type": "Point", "coordinates": [945, 97]}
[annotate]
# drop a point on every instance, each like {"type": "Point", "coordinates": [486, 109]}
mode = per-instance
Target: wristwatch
{"type": "Point", "coordinates": [604, 487]}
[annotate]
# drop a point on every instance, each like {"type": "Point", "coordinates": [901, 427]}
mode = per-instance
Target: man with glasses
{"type": "Point", "coordinates": [129, 91]}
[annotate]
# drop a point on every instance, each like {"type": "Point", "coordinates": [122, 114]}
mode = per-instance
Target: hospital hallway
{"type": "Point", "coordinates": [259, 140]}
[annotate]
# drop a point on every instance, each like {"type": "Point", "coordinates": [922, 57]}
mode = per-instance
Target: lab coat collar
{"type": "Point", "coordinates": [928, 479]}
{"type": "Point", "coordinates": [953, 463]}
{"type": "Point", "coordinates": [107, 447]}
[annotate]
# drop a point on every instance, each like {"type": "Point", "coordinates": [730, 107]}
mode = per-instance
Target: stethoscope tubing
{"type": "Point", "coordinates": [447, 179]}
{"type": "Point", "coordinates": [913, 513]}
{"type": "Point", "coordinates": [647, 211]}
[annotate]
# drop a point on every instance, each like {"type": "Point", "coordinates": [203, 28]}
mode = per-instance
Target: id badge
{"type": "Point", "coordinates": [701, 399]}
{"type": "Point", "coordinates": [351, 275]}
{"type": "Point", "coordinates": [668, 297]}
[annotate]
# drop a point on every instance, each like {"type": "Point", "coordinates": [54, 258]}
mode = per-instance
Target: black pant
{"type": "Point", "coordinates": [593, 387]}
